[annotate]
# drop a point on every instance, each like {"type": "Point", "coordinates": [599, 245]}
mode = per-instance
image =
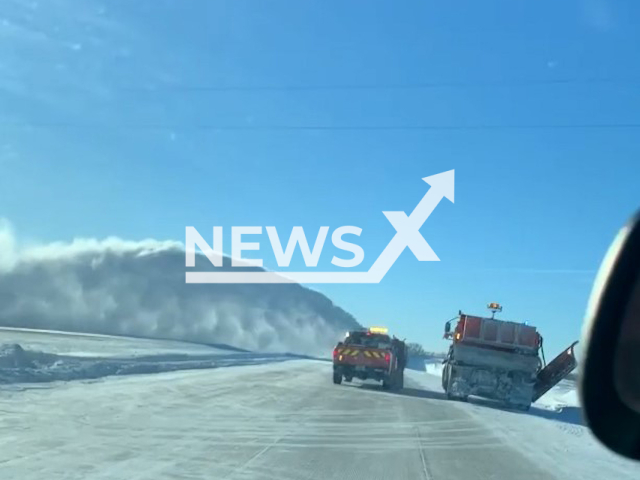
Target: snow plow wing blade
{"type": "Point", "coordinates": [556, 370]}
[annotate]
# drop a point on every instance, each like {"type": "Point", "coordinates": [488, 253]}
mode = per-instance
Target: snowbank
{"type": "Point", "coordinates": [18, 365]}
{"type": "Point", "coordinates": [138, 289]}
{"type": "Point", "coordinates": [433, 368]}
{"type": "Point", "coordinates": [95, 345]}
{"type": "Point", "coordinates": [14, 357]}
{"type": "Point", "coordinates": [421, 362]}
{"type": "Point", "coordinates": [563, 395]}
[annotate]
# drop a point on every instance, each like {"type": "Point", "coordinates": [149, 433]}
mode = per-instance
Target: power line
{"type": "Point", "coordinates": [211, 127]}
{"type": "Point", "coordinates": [151, 88]}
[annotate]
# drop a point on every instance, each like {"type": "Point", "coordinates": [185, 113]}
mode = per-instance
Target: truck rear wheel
{"type": "Point", "coordinates": [459, 398]}
{"type": "Point", "coordinates": [446, 379]}
{"type": "Point", "coordinates": [337, 377]}
{"type": "Point", "coordinates": [447, 382]}
{"type": "Point", "coordinates": [393, 382]}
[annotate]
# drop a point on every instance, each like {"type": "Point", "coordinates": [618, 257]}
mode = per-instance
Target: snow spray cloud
{"type": "Point", "coordinates": [120, 287]}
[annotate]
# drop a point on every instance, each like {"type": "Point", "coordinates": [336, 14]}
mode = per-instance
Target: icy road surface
{"type": "Point", "coordinates": [283, 421]}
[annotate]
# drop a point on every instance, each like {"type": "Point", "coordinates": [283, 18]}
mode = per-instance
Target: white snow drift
{"type": "Point", "coordinates": [18, 365]}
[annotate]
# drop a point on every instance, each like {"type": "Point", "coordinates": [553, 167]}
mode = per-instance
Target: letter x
{"type": "Point", "coordinates": [408, 231]}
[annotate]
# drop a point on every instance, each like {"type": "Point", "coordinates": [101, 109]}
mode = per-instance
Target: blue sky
{"type": "Point", "coordinates": [136, 119]}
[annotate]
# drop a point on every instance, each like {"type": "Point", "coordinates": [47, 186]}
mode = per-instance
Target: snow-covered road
{"type": "Point", "coordinates": [283, 421]}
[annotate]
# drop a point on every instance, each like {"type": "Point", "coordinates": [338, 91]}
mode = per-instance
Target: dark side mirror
{"type": "Point", "coordinates": [610, 369]}
{"type": "Point", "coordinates": [447, 327]}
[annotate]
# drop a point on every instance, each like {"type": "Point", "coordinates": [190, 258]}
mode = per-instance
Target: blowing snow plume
{"type": "Point", "coordinates": [118, 287]}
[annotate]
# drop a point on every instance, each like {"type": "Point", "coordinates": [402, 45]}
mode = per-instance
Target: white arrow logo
{"type": "Point", "coordinates": [407, 235]}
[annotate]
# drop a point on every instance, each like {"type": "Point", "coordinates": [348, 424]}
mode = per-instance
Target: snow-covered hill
{"type": "Point", "coordinates": [118, 287]}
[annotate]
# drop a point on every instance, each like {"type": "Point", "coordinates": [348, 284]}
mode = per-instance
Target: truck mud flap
{"type": "Point", "coordinates": [556, 370]}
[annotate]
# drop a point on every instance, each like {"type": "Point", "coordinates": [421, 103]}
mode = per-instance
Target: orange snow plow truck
{"type": "Point", "coordinates": [370, 354]}
{"type": "Point", "coordinates": [500, 360]}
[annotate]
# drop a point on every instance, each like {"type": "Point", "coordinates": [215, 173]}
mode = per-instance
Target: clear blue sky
{"type": "Point", "coordinates": [109, 112]}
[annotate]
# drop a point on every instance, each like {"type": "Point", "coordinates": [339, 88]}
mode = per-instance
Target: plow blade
{"type": "Point", "coordinates": [556, 370]}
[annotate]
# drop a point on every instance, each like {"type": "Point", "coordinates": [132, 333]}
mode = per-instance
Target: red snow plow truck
{"type": "Point", "coordinates": [370, 354]}
{"type": "Point", "coordinates": [500, 360]}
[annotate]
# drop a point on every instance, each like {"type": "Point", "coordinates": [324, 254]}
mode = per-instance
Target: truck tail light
{"type": "Point", "coordinates": [335, 353]}
{"type": "Point", "coordinates": [387, 357]}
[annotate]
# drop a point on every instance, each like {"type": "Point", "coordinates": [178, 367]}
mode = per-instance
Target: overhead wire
{"type": "Point", "coordinates": [506, 83]}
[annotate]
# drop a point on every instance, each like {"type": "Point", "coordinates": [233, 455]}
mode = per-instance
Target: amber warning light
{"type": "Point", "coordinates": [378, 330]}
